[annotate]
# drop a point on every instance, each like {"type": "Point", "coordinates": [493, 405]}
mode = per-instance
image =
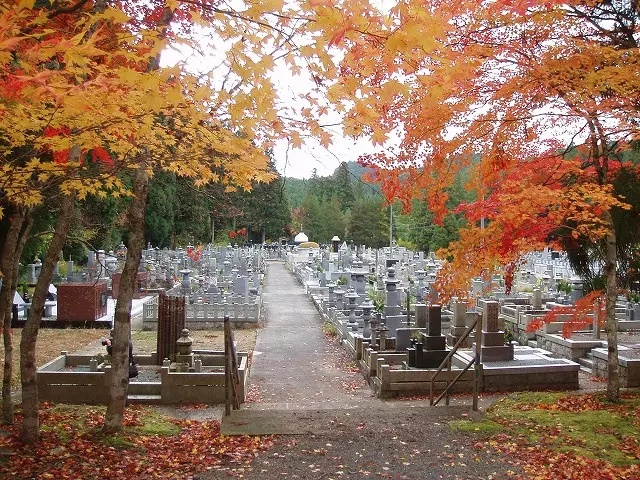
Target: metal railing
{"type": "Point", "coordinates": [477, 324]}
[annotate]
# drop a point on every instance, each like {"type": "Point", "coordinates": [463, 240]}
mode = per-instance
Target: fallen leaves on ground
{"type": "Point", "coordinates": [72, 447]}
{"type": "Point", "coordinates": [254, 394]}
{"type": "Point", "coordinates": [560, 436]}
{"type": "Point", "coordinates": [341, 360]}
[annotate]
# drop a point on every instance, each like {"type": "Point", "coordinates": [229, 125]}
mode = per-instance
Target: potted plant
{"type": "Point", "coordinates": [377, 298]}
{"type": "Point", "coordinates": [564, 286]}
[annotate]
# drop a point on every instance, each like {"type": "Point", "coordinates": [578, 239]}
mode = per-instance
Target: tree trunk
{"type": "Point", "coordinates": [122, 320]}
{"type": "Point", "coordinates": [30, 422]}
{"type": "Point", "coordinates": [613, 374]}
{"type": "Point", "coordinates": [7, 261]}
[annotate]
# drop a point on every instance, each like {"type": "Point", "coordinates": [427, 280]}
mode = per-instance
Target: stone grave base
{"type": "Point", "coordinates": [68, 379]}
{"type": "Point", "coordinates": [567, 347]}
{"type": "Point", "coordinates": [628, 364]}
{"type": "Point", "coordinates": [531, 369]}
{"type": "Point", "coordinates": [393, 382]}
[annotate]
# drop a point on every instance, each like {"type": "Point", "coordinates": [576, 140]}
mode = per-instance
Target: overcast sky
{"type": "Point", "coordinates": [290, 162]}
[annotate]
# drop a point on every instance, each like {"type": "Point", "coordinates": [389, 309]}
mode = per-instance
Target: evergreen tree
{"type": "Point", "coordinates": [266, 210]}
{"type": "Point", "coordinates": [161, 209]}
{"type": "Point", "coordinates": [342, 186]}
{"type": "Point", "coordinates": [310, 218]}
{"type": "Point", "coordinates": [331, 220]}
{"type": "Point", "coordinates": [368, 223]}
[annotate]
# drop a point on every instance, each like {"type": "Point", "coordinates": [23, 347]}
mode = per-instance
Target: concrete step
{"type": "Point", "coordinates": [586, 370]}
{"type": "Point", "coordinates": [586, 362]}
{"type": "Point", "coordinates": [589, 355]}
{"type": "Point", "coordinates": [532, 344]}
{"type": "Point", "coordinates": [144, 388]}
{"type": "Point", "coordinates": [144, 399]}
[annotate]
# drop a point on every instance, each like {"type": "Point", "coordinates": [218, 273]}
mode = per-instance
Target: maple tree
{"type": "Point", "coordinates": [83, 97]}
{"type": "Point", "coordinates": [543, 93]}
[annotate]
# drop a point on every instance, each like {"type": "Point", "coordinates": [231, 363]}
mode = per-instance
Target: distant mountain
{"type": "Point", "coordinates": [297, 189]}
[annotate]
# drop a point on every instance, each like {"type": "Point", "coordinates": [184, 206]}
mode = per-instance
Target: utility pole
{"type": "Point", "coordinates": [390, 226]}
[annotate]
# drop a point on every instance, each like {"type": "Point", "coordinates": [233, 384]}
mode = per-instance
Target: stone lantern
{"type": "Point", "coordinates": [184, 343]}
{"type": "Point", "coordinates": [367, 307]}
{"type": "Point", "coordinates": [352, 296]}
{"type": "Point", "coordinates": [335, 244]}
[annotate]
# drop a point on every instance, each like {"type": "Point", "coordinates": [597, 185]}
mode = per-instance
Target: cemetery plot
{"type": "Point", "coordinates": [197, 379]}
{"type": "Point", "coordinates": [399, 346]}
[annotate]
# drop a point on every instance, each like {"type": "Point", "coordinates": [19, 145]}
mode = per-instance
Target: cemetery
{"type": "Point", "coordinates": [380, 303]}
{"type": "Point", "coordinates": [203, 297]}
{"type": "Point", "coordinates": [388, 319]}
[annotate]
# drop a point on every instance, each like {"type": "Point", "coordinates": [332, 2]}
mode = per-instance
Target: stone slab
{"type": "Point", "coordinates": [493, 339]}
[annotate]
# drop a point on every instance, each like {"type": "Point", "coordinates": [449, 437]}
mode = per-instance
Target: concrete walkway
{"type": "Point", "coordinates": [328, 423]}
{"type": "Point", "coordinates": [293, 365]}
{"type": "Point", "coordinates": [299, 377]}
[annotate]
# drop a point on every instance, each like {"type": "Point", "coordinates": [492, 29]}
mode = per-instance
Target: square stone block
{"type": "Point", "coordinates": [432, 359]}
{"type": "Point", "coordinates": [490, 320]}
{"type": "Point", "coordinates": [421, 315]}
{"type": "Point", "coordinates": [496, 354]}
{"type": "Point", "coordinates": [434, 343]}
{"type": "Point", "coordinates": [435, 320]}
{"type": "Point", "coordinates": [453, 339]}
{"type": "Point", "coordinates": [493, 339]}
{"type": "Point", "coordinates": [457, 331]}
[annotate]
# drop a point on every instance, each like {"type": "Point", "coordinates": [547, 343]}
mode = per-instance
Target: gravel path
{"type": "Point", "coordinates": [328, 423]}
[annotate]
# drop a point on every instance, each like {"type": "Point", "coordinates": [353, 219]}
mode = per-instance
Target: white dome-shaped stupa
{"type": "Point", "coordinates": [301, 237]}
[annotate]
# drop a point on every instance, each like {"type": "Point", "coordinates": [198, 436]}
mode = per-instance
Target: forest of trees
{"type": "Point", "coordinates": [178, 214]}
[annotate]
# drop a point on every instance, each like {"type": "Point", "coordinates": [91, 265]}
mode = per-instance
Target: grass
{"type": "Point", "coordinates": [146, 341]}
{"type": "Point", "coordinates": [49, 345]}
{"type": "Point", "coordinates": [581, 425]}
{"type": "Point", "coordinates": [329, 329]}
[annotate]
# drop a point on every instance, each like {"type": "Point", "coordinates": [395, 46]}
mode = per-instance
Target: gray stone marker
{"type": "Point", "coordinates": [432, 350]}
{"type": "Point", "coordinates": [493, 347]}
{"type": "Point", "coordinates": [459, 325]}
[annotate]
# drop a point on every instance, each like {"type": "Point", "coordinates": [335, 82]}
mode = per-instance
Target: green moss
{"type": "Point", "coordinates": [155, 424]}
{"type": "Point", "coordinates": [117, 441]}
{"type": "Point", "coordinates": [594, 434]}
{"type": "Point", "coordinates": [482, 427]}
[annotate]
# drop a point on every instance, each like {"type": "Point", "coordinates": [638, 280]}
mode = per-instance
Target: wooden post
{"type": "Point", "coordinates": [477, 365]}
{"type": "Point", "coordinates": [227, 369]}
{"type": "Point", "coordinates": [231, 375]}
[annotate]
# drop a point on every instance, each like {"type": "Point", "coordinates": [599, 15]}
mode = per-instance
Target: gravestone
{"type": "Point", "coordinates": [421, 315]}
{"type": "Point", "coordinates": [459, 325]}
{"type": "Point", "coordinates": [493, 346]}
{"type": "Point", "coordinates": [537, 299]}
{"type": "Point", "coordinates": [432, 350]}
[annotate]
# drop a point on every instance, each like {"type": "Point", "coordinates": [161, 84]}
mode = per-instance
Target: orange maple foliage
{"type": "Point", "coordinates": [532, 98]}
{"type": "Point", "coordinates": [78, 73]}
{"type": "Point", "coordinates": [576, 317]}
